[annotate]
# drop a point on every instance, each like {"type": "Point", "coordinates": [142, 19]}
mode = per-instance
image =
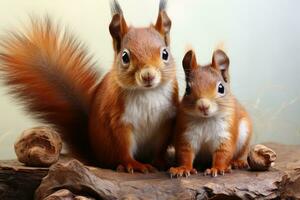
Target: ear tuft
{"type": "Point", "coordinates": [189, 63]}
{"type": "Point", "coordinates": [162, 5]}
{"type": "Point", "coordinates": [163, 22]}
{"type": "Point", "coordinates": [117, 27]}
{"type": "Point", "coordinates": [115, 8]}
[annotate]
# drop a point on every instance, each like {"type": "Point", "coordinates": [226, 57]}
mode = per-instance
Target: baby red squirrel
{"type": "Point", "coordinates": [124, 120]}
{"type": "Point", "coordinates": [211, 124]}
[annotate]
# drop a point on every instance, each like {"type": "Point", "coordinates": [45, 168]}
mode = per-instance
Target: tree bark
{"type": "Point", "coordinates": [78, 181]}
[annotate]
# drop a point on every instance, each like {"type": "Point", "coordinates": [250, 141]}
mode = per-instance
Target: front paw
{"type": "Point", "coordinates": [181, 171]}
{"type": "Point", "coordinates": [214, 171]}
{"type": "Point", "coordinates": [135, 166]}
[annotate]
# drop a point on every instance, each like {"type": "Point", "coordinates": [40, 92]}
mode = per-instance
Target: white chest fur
{"type": "Point", "coordinates": [207, 133]}
{"type": "Point", "coordinates": [147, 111]}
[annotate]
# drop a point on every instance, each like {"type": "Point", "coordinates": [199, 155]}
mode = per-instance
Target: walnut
{"type": "Point", "coordinates": [38, 147]}
{"type": "Point", "coordinates": [260, 158]}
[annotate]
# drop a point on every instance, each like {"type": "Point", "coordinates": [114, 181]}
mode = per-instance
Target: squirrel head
{"type": "Point", "coordinates": [142, 55]}
{"type": "Point", "coordinates": [207, 87]}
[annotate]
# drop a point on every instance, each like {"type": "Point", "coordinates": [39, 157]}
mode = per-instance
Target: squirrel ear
{"type": "Point", "coordinates": [189, 63]}
{"type": "Point", "coordinates": [117, 27]}
{"type": "Point", "coordinates": [163, 22]}
{"type": "Point", "coordinates": [220, 61]}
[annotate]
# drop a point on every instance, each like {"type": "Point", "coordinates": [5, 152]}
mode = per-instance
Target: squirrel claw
{"type": "Point", "coordinates": [136, 166]}
{"type": "Point", "coordinates": [181, 171]}
{"type": "Point", "coordinates": [215, 171]}
{"type": "Point", "coordinates": [186, 174]}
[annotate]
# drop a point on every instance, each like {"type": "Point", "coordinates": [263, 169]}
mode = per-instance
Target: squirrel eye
{"type": "Point", "coordinates": [221, 89]}
{"type": "Point", "coordinates": [165, 54]}
{"type": "Point", "coordinates": [188, 89]}
{"type": "Point", "coordinates": [125, 57]}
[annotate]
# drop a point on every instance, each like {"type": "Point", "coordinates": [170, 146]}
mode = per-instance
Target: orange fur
{"type": "Point", "coordinates": [202, 82]}
{"type": "Point", "coordinates": [49, 71]}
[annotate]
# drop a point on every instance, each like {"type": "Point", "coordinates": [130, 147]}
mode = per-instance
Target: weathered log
{"type": "Point", "coordinates": [64, 194]}
{"type": "Point", "coordinates": [18, 181]}
{"type": "Point", "coordinates": [282, 181]}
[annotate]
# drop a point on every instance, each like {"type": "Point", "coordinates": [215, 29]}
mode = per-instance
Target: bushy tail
{"type": "Point", "coordinates": [50, 72]}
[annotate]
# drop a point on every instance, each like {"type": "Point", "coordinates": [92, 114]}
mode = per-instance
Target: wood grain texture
{"type": "Point", "coordinates": [18, 181]}
{"type": "Point", "coordinates": [282, 181]}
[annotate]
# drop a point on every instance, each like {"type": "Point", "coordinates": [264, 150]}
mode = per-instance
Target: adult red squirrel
{"type": "Point", "coordinates": [122, 121]}
{"type": "Point", "coordinates": [211, 124]}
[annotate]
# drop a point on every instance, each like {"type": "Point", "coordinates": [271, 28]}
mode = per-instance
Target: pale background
{"type": "Point", "coordinates": [262, 39]}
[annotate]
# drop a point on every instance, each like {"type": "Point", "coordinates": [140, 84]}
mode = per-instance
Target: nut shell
{"type": "Point", "coordinates": [261, 158]}
{"type": "Point", "coordinates": [38, 147]}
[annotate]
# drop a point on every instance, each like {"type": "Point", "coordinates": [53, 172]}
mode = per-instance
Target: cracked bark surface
{"type": "Point", "coordinates": [282, 181]}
